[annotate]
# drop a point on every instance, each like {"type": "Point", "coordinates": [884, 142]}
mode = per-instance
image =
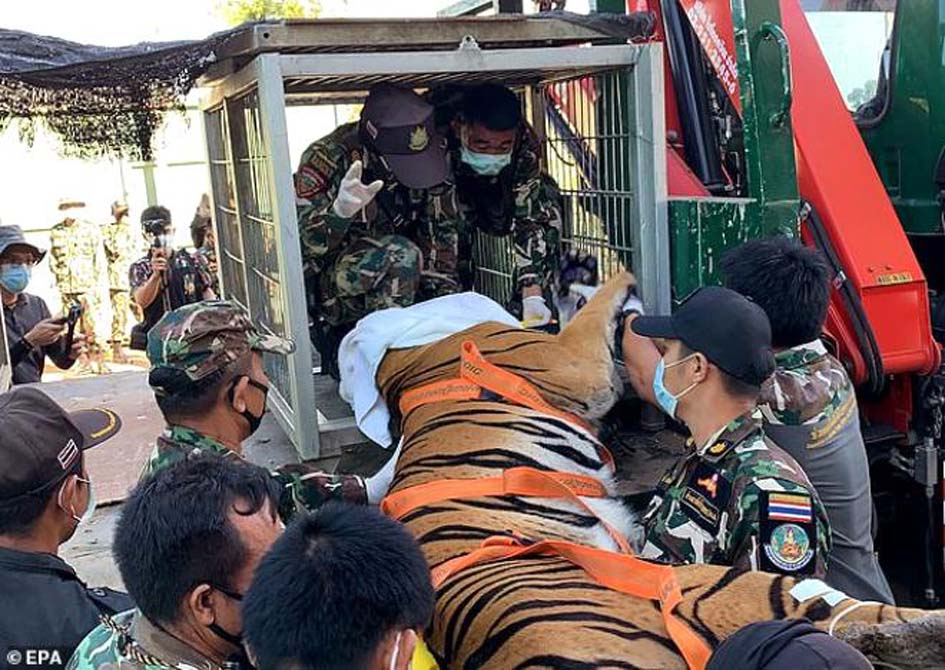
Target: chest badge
{"type": "Point", "coordinates": [709, 484]}
{"type": "Point", "coordinates": [718, 448]}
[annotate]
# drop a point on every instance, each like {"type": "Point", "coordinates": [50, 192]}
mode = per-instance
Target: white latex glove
{"type": "Point", "coordinates": [535, 312]}
{"type": "Point", "coordinates": [353, 196]}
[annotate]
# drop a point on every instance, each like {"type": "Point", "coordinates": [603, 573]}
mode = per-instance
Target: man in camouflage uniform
{"type": "Point", "coordinates": [208, 380]}
{"type": "Point", "coordinates": [379, 222]}
{"type": "Point", "coordinates": [496, 158]}
{"type": "Point", "coordinates": [737, 498]}
{"type": "Point", "coordinates": [73, 258]}
{"type": "Point", "coordinates": [120, 248]}
{"type": "Point", "coordinates": [187, 545]}
{"type": "Point", "coordinates": [809, 404]}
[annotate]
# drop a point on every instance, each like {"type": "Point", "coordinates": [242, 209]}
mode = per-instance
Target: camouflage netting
{"type": "Point", "coordinates": [99, 101]}
{"type": "Point", "coordinates": [109, 101]}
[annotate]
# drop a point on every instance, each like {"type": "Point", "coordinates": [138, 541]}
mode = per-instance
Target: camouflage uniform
{"type": "Point", "coordinates": [810, 410]}
{"type": "Point", "coordinates": [304, 487]}
{"type": "Point", "coordinates": [73, 259]}
{"type": "Point", "coordinates": [406, 246]}
{"type": "Point", "coordinates": [128, 641]}
{"type": "Point", "coordinates": [206, 337]}
{"type": "Point", "coordinates": [740, 501]}
{"type": "Point", "coordinates": [120, 248]}
{"type": "Point", "coordinates": [522, 201]}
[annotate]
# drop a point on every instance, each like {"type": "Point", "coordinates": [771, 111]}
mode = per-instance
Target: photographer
{"type": "Point", "coordinates": [32, 333]}
{"type": "Point", "coordinates": [166, 278]}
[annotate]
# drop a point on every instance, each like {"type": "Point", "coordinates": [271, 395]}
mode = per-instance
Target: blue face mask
{"type": "Point", "coordinates": [667, 401]}
{"type": "Point", "coordinates": [14, 278]}
{"type": "Point", "coordinates": [487, 165]}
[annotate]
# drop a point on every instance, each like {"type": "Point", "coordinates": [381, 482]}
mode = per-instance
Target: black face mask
{"type": "Point", "coordinates": [235, 639]}
{"type": "Point", "coordinates": [251, 418]}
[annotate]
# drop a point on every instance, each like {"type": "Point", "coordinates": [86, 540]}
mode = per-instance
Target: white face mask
{"type": "Point", "coordinates": [89, 508]}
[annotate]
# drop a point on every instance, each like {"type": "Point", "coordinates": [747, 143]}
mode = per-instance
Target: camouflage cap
{"type": "Point", "coordinates": [205, 337]}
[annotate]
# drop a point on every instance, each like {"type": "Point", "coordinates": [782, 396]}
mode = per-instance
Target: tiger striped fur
{"type": "Point", "coordinates": [543, 612]}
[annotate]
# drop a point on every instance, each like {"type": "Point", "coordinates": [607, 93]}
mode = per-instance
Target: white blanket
{"type": "Point", "coordinates": [363, 349]}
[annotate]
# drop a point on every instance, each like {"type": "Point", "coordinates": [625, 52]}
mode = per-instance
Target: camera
{"type": "Point", "coordinates": [157, 229]}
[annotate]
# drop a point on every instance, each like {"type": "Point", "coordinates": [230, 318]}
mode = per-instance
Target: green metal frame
{"type": "Point", "coordinates": [907, 139]}
{"type": "Point", "coordinates": [702, 229]}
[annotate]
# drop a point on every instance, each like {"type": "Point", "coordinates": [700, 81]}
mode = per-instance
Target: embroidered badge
{"type": "Point", "coordinates": [308, 182]}
{"type": "Point", "coordinates": [794, 507]}
{"type": "Point", "coordinates": [419, 139]}
{"type": "Point", "coordinates": [789, 548]}
{"type": "Point", "coordinates": [719, 448]}
{"type": "Point", "coordinates": [703, 512]}
{"type": "Point", "coordinates": [706, 494]}
{"type": "Point", "coordinates": [709, 484]}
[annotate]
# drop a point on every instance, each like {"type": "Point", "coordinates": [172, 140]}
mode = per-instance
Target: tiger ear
{"type": "Point", "coordinates": [595, 322]}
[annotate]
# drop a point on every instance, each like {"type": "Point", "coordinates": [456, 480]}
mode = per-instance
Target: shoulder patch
{"type": "Point", "coordinates": [788, 533]}
{"type": "Point", "coordinates": [309, 182]}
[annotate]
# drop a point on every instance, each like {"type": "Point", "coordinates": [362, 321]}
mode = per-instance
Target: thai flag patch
{"type": "Point", "coordinates": [789, 507]}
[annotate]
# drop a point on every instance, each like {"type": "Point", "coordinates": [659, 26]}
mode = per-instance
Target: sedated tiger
{"type": "Point", "coordinates": [544, 611]}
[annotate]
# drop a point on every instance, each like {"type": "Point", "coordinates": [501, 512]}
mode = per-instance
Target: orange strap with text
{"type": "Point", "coordinates": [515, 482]}
{"type": "Point", "coordinates": [620, 572]}
{"type": "Point", "coordinates": [476, 374]}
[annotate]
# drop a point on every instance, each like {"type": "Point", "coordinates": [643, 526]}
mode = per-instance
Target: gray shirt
{"type": "Point", "coordinates": [810, 411]}
{"type": "Point", "coordinates": [28, 362]}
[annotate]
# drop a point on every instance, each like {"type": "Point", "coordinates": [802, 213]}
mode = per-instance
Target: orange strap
{"type": "Point", "coordinates": [514, 481]}
{"type": "Point", "coordinates": [626, 574]}
{"type": "Point", "coordinates": [476, 374]}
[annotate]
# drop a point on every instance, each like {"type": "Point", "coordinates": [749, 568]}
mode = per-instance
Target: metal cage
{"type": "Point", "coordinates": [598, 108]}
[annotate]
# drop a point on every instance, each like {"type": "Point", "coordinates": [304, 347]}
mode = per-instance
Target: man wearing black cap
{"type": "Point", "coordinates": [45, 493]}
{"type": "Point", "coordinates": [32, 333]}
{"type": "Point", "coordinates": [379, 220]}
{"type": "Point", "coordinates": [737, 498]}
{"type": "Point", "coordinates": [785, 645]}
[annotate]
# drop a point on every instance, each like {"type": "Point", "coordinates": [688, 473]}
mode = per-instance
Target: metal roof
{"type": "Point", "coordinates": [308, 36]}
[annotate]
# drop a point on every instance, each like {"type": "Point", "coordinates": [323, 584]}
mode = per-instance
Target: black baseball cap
{"type": "Point", "coordinates": [785, 645]}
{"type": "Point", "coordinates": [40, 442]}
{"type": "Point", "coordinates": [726, 327]}
{"type": "Point", "coordinates": [399, 125]}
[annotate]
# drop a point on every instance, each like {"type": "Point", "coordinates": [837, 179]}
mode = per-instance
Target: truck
{"type": "Point", "coordinates": [760, 134]}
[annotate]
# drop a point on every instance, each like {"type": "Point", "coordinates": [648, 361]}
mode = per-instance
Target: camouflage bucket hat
{"type": "Point", "coordinates": [206, 337]}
